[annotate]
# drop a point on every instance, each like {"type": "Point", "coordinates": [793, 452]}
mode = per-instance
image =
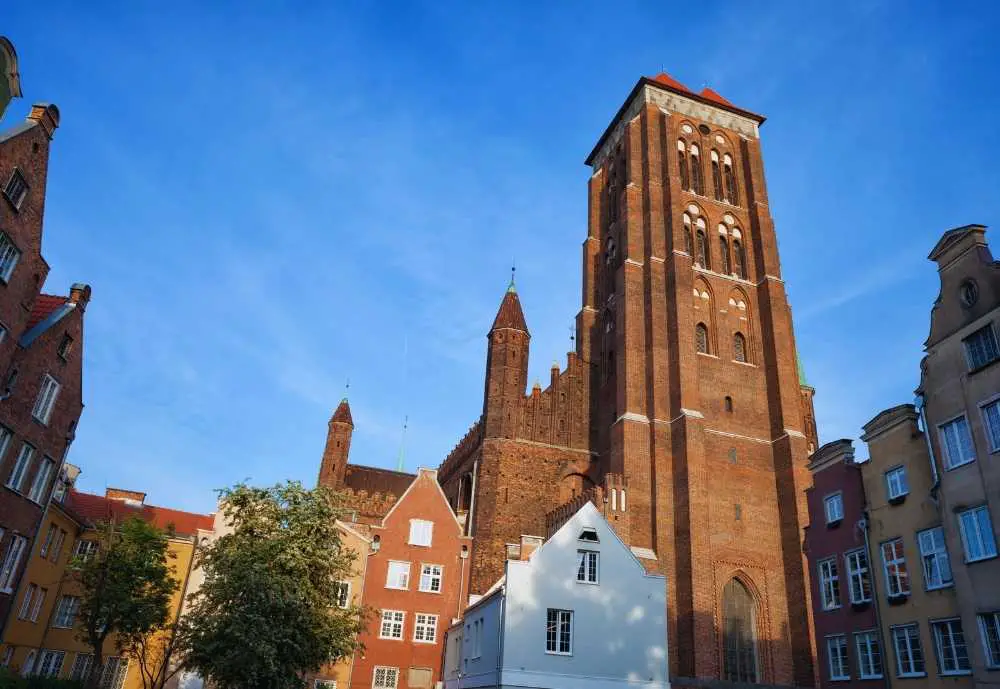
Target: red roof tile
{"type": "Point", "coordinates": [709, 94]}
{"type": "Point", "coordinates": [510, 314]}
{"type": "Point", "coordinates": [668, 80]}
{"type": "Point", "coordinates": [97, 508]}
{"type": "Point", "coordinates": [43, 307]}
{"type": "Point", "coordinates": [376, 480]}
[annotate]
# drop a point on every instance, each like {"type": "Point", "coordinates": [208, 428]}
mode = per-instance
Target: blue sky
{"type": "Point", "coordinates": [268, 203]}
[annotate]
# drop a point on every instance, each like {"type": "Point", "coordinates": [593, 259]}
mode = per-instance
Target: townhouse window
{"type": "Point", "coordinates": [114, 672]}
{"type": "Point", "coordinates": [57, 546]}
{"type": "Point", "coordinates": [430, 578]}
{"type": "Point", "coordinates": [50, 536]}
{"type": "Point", "coordinates": [398, 576]}
{"type": "Point", "coordinates": [909, 654]}
{"type": "Point", "coordinates": [989, 632]}
{"type": "Point", "coordinates": [66, 611]}
{"type": "Point", "coordinates": [977, 534]}
{"type": "Point", "coordinates": [81, 666]}
{"type": "Point", "coordinates": [587, 566]}
{"type": "Point", "coordinates": [16, 189]}
{"type": "Point", "coordinates": [836, 655]}
{"type": "Point", "coordinates": [934, 558]}
{"type": "Point", "coordinates": [36, 608]}
{"type": "Point", "coordinates": [5, 439]}
{"type": "Point", "coordinates": [858, 576]}
{"type": "Point", "coordinates": [8, 655]}
{"type": "Point", "coordinates": [896, 483]}
{"type": "Point", "coordinates": [40, 486]}
{"type": "Point", "coordinates": [28, 666]}
{"type": "Point", "coordinates": [833, 507]}
{"type": "Point", "coordinates": [425, 628]}
{"type": "Point", "coordinates": [385, 677]}
{"type": "Point", "coordinates": [65, 347]}
{"type": "Point", "coordinates": [559, 631]}
{"type": "Point", "coordinates": [85, 549]}
{"type": "Point", "coordinates": [991, 419]}
{"type": "Point", "coordinates": [421, 532]}
{"type": "Point", "coordinates": [949, 645]}
{"type": "Point", "coordinates": [392, 624]}
{"type": "Point", "coordinates": [981, 348]}
{"type": "Point", "coordinates": [50, 663]}
{"type": "Point", "coordinates": [29, 595]}
{"type": "Point", "coordinates": [21, 467]}
{"type": "Point", "coordinates": [324, 683]}
{"type": "Point", "coordinates": [897, 579]}
{"type": "Point", "coordinates": [957, 443]}
{"type": "Point", "coordinates": [342, 593]}
{"type": "Point", "coordinates": [11, 560]}
{"type": "Point", "coordinates": [869, 655]}
{"type": "Point", "coordinates": [9, 256]}
{"type": "Point", "coordinates": [829, 584]}
{"type": "Point", "coordinates": [46, 401]}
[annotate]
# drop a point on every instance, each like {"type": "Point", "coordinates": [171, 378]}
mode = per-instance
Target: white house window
{"type": "Point", "coordinates": [833, 505]}
{"type": "Point", "coordinates": [858, 576]}
{"type": "Point", "coordinates": [421, 532]}
{"type": "Point", "coordinates": [9, 255]}
{"type": "Point", "coordinates": [836, 654]}
{"type": "Point", "coordinates": [587, 566]}
{"type": "Point", "coordinates": [897, 579]}
{"type": "Point", "coordinates": [989, 632]}
{"type": "Point", "coordinates": [36, 608]}
{"type": "Point", "coordinates": [991, 416]}
{"type": "Point", "coordinates": [40, 486]}
{"type": "Point", "coordinates": [981, 348]}
{"type": "Point", "coordinates": [16, 189]}
{"type": "Point", "coordinates": [114, 672]}
{"type": "Point", "coordinates": [430, 578]}
{"type": "Point", "coordinates": [29, 594]}
{"type": "Point", "coordinates": [47, 395]}
{"type": "Point", "coordinates": [896, 483]}
{"type": "Point", "coordinates": [829, 584]}
{"type": "Point", "coordinates": [957, 443]}
{"type": "Point", "coordinates": [559, 631]}
{"type": "Point", "coordinates": [392, 624]}
{"type": "Point", "coordinates": [21, 466]}
{"type": "Point", "coordinates": [11, 560]}
{"type": "Point", "coordinates": [50, 663]}
{"type": "Point", "coordinates": [342, 590]}
{"type": "Point", "coordinates": [81, 666]}
{"type": "Point", "coordinates": [425, 628]}
{"type": "Point", "coordinates": [934, 558]}
{"type": "Point", "coordinates": [85, 549]}
{"type": "Point", "coordinates": [398, 576]}
{"type": "Point", "coordinates": [869, 655]}
{"type": "Point", "coordinates": [66, 610]}
{"type": "Point", "coordinates": [909, 654]}
{"type": "Point", "coordinates": [385, 677]}
{"type": "Point", "coordinates": [977, 534]}
{"type": "Point", "coordinates": [47, 543]}
{"type": "Point", "coordinates": [949, 644]}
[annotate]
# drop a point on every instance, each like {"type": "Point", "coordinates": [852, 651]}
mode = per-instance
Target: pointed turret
{"type": "Point", "coordinates": [343, 414]}
{"type": "Point", "coordinates": [506, 364]}
{"type": "Point", "coordinates": [510, 315]}
{"type": "Point", "coordinates": [338, 445]}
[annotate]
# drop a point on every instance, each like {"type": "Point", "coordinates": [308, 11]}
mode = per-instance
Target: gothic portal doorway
{"type": "Point", "coordinates": [739, 634]}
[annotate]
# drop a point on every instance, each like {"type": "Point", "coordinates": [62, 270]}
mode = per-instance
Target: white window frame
{"type": "Point", "coordinates": [430, 575]}
{"type": "Point", "coordinates": [343, 594]}
{"type": "Point", "coordinates": [991, 429]}
{"type": "Point", "coordinates": [833, 499]}
{"type": "Point", "coordinates": [387, 672]}
{"type": "Point", "coordinates": [869, 649]}
{"type": "Point", "coordinates": [989, 635]}
{"type": "Point", "coordinates": [50, 663]}
{"type": "Point", "coordinates": [829, 583]}
{"type": "Point", "coordinates": [48, 393]}
{"type": "Point", "coordinates": [36, 609]}
{"type": "Point", "coordinates": [11, 561]}
{"type": "Point", "coordinates": [85, 549]}
{"type": "Point", "coordinates": [25, 609]}
{"type": "Point", "coordinates": [28, 666]}
{"type": "Point", "coordinates": [402, 575]}
{"type": "Point", "coordinates": [839, 664]}
{"type": "Point", "coordinates": [563, 618]}
{"type": "Point", "coordinates": [949, 657]}
{"type": "Point", "coordinates": [910, 648]}
{"type": "Point", "coordinates": [56, 549]}
{"type": "Point", "coordinates": [9, 257]}
{"type": "Point", "coordinates": [392, 625]}
{"type": "Point", "coordinates": [22, 465]}
{"type": "Point", "coordinates": [6, 436]}
{"type": "Point", "coordinates": [984, 536]}
{"type": "Point", "coordinates": [81, 666]}
{"type": "Point", "coordinates": [320, 683]}
{"type": "Point", "coordinates": [49, 537]}
{"type": "Point", "coordinates": [897, 483]}
{"type": "Point", "coordinates": [421, 533]}
{"type": "Point", "coordinates": [947, 460]}
{"type": "Point", "coordinates": [67, 608]}
{"type": "Point", "coordinates": [858, 570]}
{"type": "Point", "coordinates": [934, 558]}
{"type": "Point", "coordinates": [899, 578]}
{"type": "Point", "coordinates": [588, 566]}
{"type": "Point", "coordinates": [40, 484]}
{"type": "Point", "coordinates": [425, 625]}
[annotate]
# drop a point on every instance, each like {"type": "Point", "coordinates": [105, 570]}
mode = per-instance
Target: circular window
{"type": "Point", "coordinates": [968, 293]}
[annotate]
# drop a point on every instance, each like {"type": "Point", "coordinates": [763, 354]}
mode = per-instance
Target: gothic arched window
{"type": "Point", "coordinates": [732, 193]}
{"type": "Point", "coordinates": [739, 662]}
{"type": "Point", "coordinates": [739, 347]}
{"type": "Point", "coordinates": [741, 258]}
{"type": "Point", "coordinates": [716, 176]}
{"type": "Point", "coordinates": [697, 182]}
{"type": "Point", "coordinates": [687, 235]}
{"type": "Point", "coordinates": [702, 255]}
{"type": "Point", "coordinates": [701, 338]}
{"type": "Point", "coordinates": [682, 163]}
{"type": "Point", "coordinates": [724, 250]}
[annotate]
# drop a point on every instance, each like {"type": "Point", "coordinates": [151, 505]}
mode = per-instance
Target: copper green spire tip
{"type": "Point", "coordinates": [510, 287]}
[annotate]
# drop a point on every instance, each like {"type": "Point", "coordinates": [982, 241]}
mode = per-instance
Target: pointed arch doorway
{"type": "Point", "coordinates": [739, 634]}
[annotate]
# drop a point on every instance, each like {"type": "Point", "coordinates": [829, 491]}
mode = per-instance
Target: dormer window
{"type": "Point", "coordinates": [589, 535]}
{"type": "Point", "coordinates": [16, 189]}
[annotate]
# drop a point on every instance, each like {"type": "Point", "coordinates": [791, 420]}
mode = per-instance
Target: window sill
{"type": "Point", "coordinates": [437, 593]}
{"type": "Point", "coordinates": [588, 583]}
{"type": "Point", "coordinates": [389, 638]}
{"type": "Point", "coordinates": [898, 500]}
{"type": "Point", "coordinates": [898, 599]}
{"type": "Point", "coordinates": [912, 675]}
{"type": "Point", "coordinates": [710, 356]}
{"type": "Point", "coordinates": [959, 466]}
{"type": "Point", "coordinates": [417, 641]}
{"type": "Point", "coordinates": [835, 524]}
{"type": "Point", "coordinates": [871, 677]}
{"type": "Point", "coordinates": [860, 605]}
{"type": "Point", "coordinates": [956, 673]}
{"type": "Point", "coordinates": [841, 679]}
{"type": "Point", "coordinates": [980, 559]}
{"type": "Point", "coordinates": [559, 653]}
{"type": "Point", "coordinates": [398, 588]}
{"type": "Point", "coordinates": [983, 367]}
{"type": "Point", "coordinates": [941, 587]}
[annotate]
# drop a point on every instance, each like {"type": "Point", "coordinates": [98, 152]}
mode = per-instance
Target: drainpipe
{"type": "Point", "coordinates": [883, 654]}
{"type": "Point", "coordinates": [920, 404]}
{"type": "Point", "coordinates": [472, 500]}
{"type": "Point", "coordinates": [500, 623]}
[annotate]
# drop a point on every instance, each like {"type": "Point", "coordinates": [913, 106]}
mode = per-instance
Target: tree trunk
{"type": "Point", "coordinates": [93, 680]}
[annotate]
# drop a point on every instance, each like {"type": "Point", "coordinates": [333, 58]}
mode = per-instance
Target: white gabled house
{"type": "Point", "coordinates": [578, 612]}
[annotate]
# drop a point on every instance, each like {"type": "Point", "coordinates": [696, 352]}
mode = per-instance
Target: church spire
{"type": "Point", "coordinates": [510, 315]}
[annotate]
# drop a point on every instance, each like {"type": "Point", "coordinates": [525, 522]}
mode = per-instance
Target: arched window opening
{"type": "Point", "coordinates": [701, 338]}
{"type": "Point", "coordinates": [611, 251]}
{"type": "Point", "coordinates": [614, 500]}
{"type": "Point", "coordinates": [739, 348]}
{"type": "Point", "coordinates": [739, 634]}
{"type": "Point", "coordinates": [716, 176]}
{"type": "Point", "coordinates": [697, 182]}
{"type": "Point", "coordinates": [623, 499]}
{"type": "Point", "coordinates": [741, 259]}
{"type": "Point", "coordinates": [702, 255]}
{"type": "Point", "coordinates": [687, 235]}
{"type": "Point", "coordinates": [682, 164]}
{"type": "Point", "coordinates": [729, 404]}
{"type": "Point", "coordinates": [724, 250]}
{"type": "Point", "coordinates": [732, 194]}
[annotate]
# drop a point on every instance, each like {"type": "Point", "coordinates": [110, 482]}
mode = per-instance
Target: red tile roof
{"type": "Point", "coordinates": [97, 508]}
{"type": "Point", "coordinates": [376, 480]}
{"type": "Point", "coordinates": [510, 314]}
{"type": "Point", "coordinates": [668, 80]}
{"type": "Point", "coordinates": [709, 94]}
{"type": "Point", "coordinates": [43, 307]}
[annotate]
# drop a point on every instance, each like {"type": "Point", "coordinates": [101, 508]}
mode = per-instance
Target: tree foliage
{"type": "Point", "coordinates": [125, 586]}
{"type": "Point", "coordinates": [266, 613]}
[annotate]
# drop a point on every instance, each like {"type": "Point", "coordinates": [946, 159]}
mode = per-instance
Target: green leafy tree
{"type": "Point", "coordinates": [266, 614]}
{"type": "Point", "coordinates": [126, 585]}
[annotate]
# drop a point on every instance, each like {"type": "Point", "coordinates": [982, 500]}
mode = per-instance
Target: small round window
{"type": "Point", "coordinates": [968, 293]}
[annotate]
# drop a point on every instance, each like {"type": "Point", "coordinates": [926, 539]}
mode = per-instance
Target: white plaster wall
{"type": "Point", "coordinates": [460, 668]}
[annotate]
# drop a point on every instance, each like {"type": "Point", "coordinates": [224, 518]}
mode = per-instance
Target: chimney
{"type": "Point", "coordinates": [79, 294]}
{"type": "Point", "coordinates": [529, 544]}
{"type": "Point", "coordinates": [46, 115]}
{"type": "Point", "coordinates": [129, 497]}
